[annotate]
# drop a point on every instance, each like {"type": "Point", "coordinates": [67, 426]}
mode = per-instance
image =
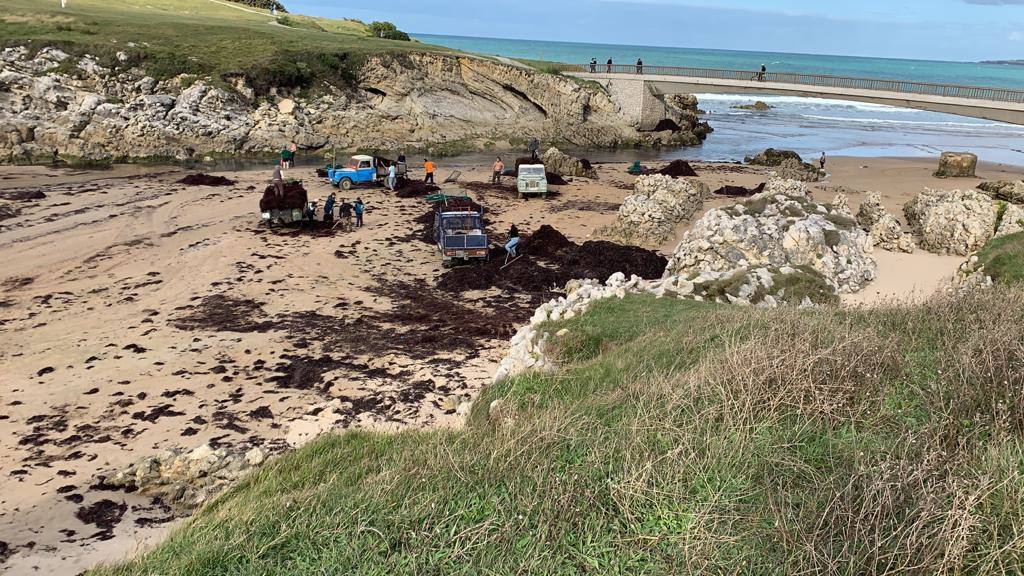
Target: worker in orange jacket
{"type": "Point", "coordinates": [430, 168]}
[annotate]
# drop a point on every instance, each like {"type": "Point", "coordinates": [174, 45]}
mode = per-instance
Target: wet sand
{"type": "Point", "coordinates": [138, 314]}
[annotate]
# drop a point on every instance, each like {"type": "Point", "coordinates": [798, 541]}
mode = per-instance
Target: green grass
{"type": "Point", "coordinates": [678, 438]}
{"type": "Point", "coordinates": [1003, 258]}
{"type": "Point", "coordinates": [200, 37]}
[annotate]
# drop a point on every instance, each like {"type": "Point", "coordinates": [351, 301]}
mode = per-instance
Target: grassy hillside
{"type": "Point", "coordinates": [1003, 259]}
{"type": "Point", "coordinates": [679, 438]}
{"type": "Point", "coordinates": [201, 37]}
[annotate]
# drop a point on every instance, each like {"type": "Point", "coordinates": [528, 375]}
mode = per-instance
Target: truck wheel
{"type": "Point", "coordinates": [345, 184]}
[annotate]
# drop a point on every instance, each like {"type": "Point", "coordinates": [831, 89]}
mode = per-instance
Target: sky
{"type": "Point", "coordinates": [959, 30]}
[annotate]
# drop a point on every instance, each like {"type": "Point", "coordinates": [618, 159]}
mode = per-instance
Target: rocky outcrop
{"type": "Point", "coordinates": [1011, 219]}
{"type": "Point", "coordinates": [773, 157]}
{"type": "Point", "coordinates": [957, 165]}
{"type": "Point", "coordinates": [758, 106]}
{"type": "Point", "coordinates": [761, 287]}
{"type": "Point", "coordinates": [791, 169]}
{"type": "Point", "coordinates": [952, 222]}
{"type": "Point", "coordinates": [186, 479]}
{"type": "Point", "coordinates": [682, 110]}
{"type": "Point", "coordinates": [657, 205]}
{"type": "Point", "coordinates": [883, 227]}
{"type": "Point", "coordinates": [776, 230]}
{"type": "Point", "coordinates": [1003, 190]}
{"type": "Point", "coordinates": [51, 102]}
{"type": "Point", "coordinates": [557, 162]}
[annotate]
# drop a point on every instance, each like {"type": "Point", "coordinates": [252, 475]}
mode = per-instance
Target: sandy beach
{"type": "Point", "coordinates": [138, 314]}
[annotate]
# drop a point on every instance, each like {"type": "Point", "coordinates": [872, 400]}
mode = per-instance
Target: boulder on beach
{"type": "Point", "coordinates": [952, 222]}
{"type": "Point", "coordinates": [957, 165]}
{"type": "Point", "coordinates": [791, 169]}
{"type": "Point", "coordinates": [883, 227]}
{"type": "Point", "coordinates": [557, 162]}
{"type": "Point", "coordinates": [186, 479]}
{"type": "Point", "coordinates": [773, 157]}
{"type": "Point", "coordinates": [775, 230]}
{"type": "Point", "coordinates": [657, 205]}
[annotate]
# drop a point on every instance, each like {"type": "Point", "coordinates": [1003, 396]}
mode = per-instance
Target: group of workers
{"type": "Point", "coordinates": [345, 210]}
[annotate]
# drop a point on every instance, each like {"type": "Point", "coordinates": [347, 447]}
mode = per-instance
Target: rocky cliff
{"type": "Point", "coordinates": [51, 102]}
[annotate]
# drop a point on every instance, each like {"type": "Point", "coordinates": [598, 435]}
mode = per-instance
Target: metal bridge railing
{"type": "Point", "coordinates": [901, 86]}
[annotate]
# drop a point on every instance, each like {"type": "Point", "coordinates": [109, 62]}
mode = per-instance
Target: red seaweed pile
{"type": "Point", "coordinates": [414, 188]}
{"type": "Point", "coordinates": [294, 197]}
{"type": "Point", "coordinates": [739, 191]}
{"type": "Point", "coordinates": [206, 180]}
{"type": "Point", "coordinates": [547, 261]}
{"type": "Point", "coordinates": [678, 169]}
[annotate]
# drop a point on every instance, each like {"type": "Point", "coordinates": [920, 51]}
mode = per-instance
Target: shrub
{"type": "Point", "coordinates": [388, 31]}
{"type": "Point", "coordinates": [264, 4]}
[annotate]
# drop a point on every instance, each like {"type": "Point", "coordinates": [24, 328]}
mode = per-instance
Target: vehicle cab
{"type": "Point", "coordinates": [532, 179]}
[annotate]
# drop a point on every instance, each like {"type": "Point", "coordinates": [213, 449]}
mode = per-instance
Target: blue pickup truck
{"type": "Point", "coordinates": [363, 170]}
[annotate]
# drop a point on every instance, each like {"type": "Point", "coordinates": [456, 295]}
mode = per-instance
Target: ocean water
{"type": "Point", "coordinates": [807, 125]}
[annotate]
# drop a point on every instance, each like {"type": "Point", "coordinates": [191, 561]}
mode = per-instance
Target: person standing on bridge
{"type": "Point", "coordinates": [609, 65]}
{"type": "Point", "coordinates": [639, 66]}
{"type": "Point", "coordinates": [760, 75]}
{"type": "Point", "coordinates": [593, 65]}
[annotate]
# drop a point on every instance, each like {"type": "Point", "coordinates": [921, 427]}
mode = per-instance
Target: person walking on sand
{"type": "Point", "coordinates": [639, 66]}
{"type": "Point", "coordinates": [359, 209]}
{"type": "Point", "coordinates": [513, 241]}
{"type": "Point", "coordinates": [821, 161]}
{"type": "Point", "coordinates": [392, 177]}
{"type": "Point", "coordinates": [609, 65]}
{"type": "Point", "coordinates": [278, 180]}
{"type": "Point", "coordinates": [496, 171]}
{"type": "Point", "coordinates": [329, 208]}
{"type": "Point", "coordinates": [429, 167]}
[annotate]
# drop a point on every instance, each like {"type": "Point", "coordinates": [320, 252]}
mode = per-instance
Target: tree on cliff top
{"type": "Point", "coordinates": [388, 31]}
{"type": "Point", "coordinates": [265, 4]}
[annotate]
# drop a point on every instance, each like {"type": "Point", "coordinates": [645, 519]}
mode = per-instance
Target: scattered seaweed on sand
{"type": "Point", "coordinates": [221, 313]}
{"type": "Point", "coordinates": [206, 180]}
{"type": "Point", "coordinates": [8, 211]}
{"type": "Point", "coordinates": [489, 187]}
{"type": "Point", "coordinates": [420, 324]}
{"type": "Point", "coordinates": [22, 195]}
{"type": "Point", "coordinates": [739, 191]}
{"type": "Point", "coordinates": [104, 514]}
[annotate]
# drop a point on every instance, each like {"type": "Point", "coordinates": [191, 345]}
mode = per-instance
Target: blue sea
{"type": "Point", "coordinates": [807, 125]}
